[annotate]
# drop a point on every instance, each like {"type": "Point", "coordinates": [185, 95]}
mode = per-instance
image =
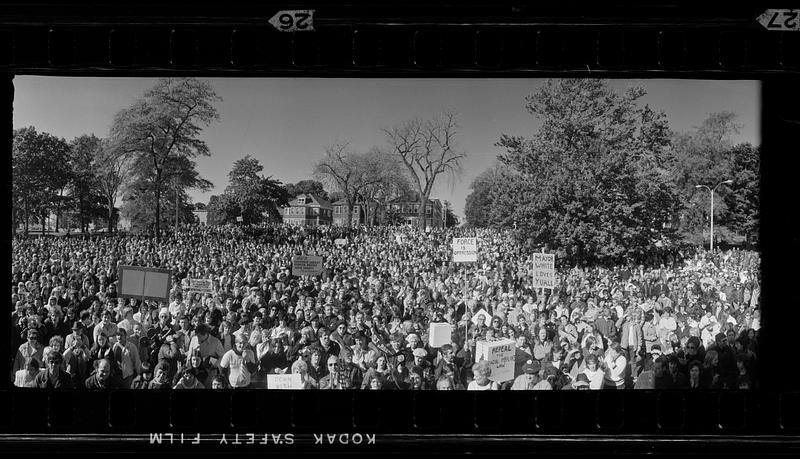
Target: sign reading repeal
{"type": "Point", "coordinates": [340, 242]}
{"type": "Point", "coordinates": [306, 265]}
{"type": "Point", "coordinates": [544, 270]}
{"type": "Point", "coordinates": [500, 355]}
{"type": "Point", "coordinates": [465, 249]}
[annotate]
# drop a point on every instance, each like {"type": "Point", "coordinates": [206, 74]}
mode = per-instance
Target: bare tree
{"type": "Point", "coordinates": [428, 149]}
{"type": "Point", "coordinates": [113, 170]}
{"type": "Point", "coordinates": [393, 183]}
{"type": "Point", "coordinates": [349, 172]}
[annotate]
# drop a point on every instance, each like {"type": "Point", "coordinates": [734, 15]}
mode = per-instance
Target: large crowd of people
{"type": "Point", "coordinates": [683, 321]}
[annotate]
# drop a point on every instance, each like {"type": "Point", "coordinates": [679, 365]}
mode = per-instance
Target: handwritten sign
{"type": "Point", "coordinates": [500, 355]}
{"type": "Point", "coordinates": [306, 265]}
{"type": "Point", "coordinates": [544, 270]}
{"type": "Point", "coordinates": [200, 286]}
{"type": "Point", "coordinates": [340, 242]}
{"type": "Point", "coordinates": [284, 382]}
{"type": "Point", "coordinates": [465, 249]}
{"type": "Point", "coordinates": [439, 334]}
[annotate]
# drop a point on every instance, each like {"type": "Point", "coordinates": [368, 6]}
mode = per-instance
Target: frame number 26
{"type": "Point", "coordinates": [293, 20]}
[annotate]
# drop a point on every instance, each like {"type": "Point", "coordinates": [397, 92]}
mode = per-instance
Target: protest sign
{"type": "Point", "coordinates": [144, 283]}
{"type": "Point", "coordinates": [200, 286]}
{"type": "Point", "coordinates": [306, 265]}
{"type": "Point", "coordinates": [487, 318]}
{"type": "Point", "coordinates": [283, 382]}
{"type": "Point", "coordinates": [465, 249]}
{"type": "Point", "coordinates": [398, 238]}
{"type": "Point", "coordinates": [439, 334]}
{"type": "Point", "coordinates": [544, 270]}
{"type": "Point", "coordinates": [500, 355]}
{"type": "Point", "coordinates": [340, 242]}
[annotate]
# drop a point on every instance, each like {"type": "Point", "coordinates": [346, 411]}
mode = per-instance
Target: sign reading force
{"type": "Point", "coordinates": [544, 270]}
{"type": "Point", "coordinates": [500, 355]}
{"type": "Point", "coordinates": [465, 249]}
{"type": "Point", "coordinates": [306, 265]}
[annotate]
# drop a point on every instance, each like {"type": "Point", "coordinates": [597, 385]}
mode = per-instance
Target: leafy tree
{"type": "Point", "coordinates": [40, 174]}
{"type": "Point", "coordinates": [592, 182]}
{"type": "Point", "coordinates": [254, 194]}
{"type": "Point", "coordinates": [306, 186]}
{"type": "Point", "coordinates": [162, 125]}
{"type": "Point", "coordinates": [743, 202]}
{"type": "Point", "coordinates": [479, 201]}
{"type": "Point", "coordinates": [85, 184]}
{"type": "Point", "coordinates": [222, 209]}
{"type": "Point", "coordinates": [427, 149]}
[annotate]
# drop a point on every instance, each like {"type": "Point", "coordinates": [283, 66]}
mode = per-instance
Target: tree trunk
{"type": "Point", "coordinates": [27, 216]}
{"type": "Point", "coordinates": [423, 203]}
{"type": "Point", "coordinates": [110, 213]}
{"type": "Point", "coordinates": [158, 204]}
{"type": "Point", "coordinates": [349, 213]}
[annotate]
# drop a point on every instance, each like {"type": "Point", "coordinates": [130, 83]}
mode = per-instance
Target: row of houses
{"type": "Point", "coordinates": [312, 210]}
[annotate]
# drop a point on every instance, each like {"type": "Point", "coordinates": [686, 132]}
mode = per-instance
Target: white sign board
{"type": "Point", "coordinates": [544, 270]}
{"type": "Point", "coordinates": [239, 219]}
{"type": "Point", "coordinates": [487, 318]}
{"type": "Point", "coordinates": [465, 249]}
{"type": "Point", "coordinates": [293, 20]}
{"type": "Point", "coordinates": [500, 355]}
{"type": "Point", "coordinates": [398, 238]}
{"type": "Point", "coordinates": [200, 285]}
{"type": "Point", "coordinates": [283, 382]}
{"type": "Point", "coordinates": [781, 20]}
{"type": "Point", "coordinates": [306, 265]}
{"type": "Point", "coordinates": [144, 283]}
{"type": "Point", "coordinates": [439, 334]}
{"type": "Point", "coordinates": [340, 242]}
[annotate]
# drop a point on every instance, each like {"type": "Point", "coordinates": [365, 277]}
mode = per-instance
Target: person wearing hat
{"type": "Point", "coordinates": [31, 349]}
{"type": "Point", "coordinates": [529, 377]}
{"type": "Point", "coordinates": [581, 382]}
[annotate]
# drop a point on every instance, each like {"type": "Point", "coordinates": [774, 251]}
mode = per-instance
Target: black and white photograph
{"type": "Point", "coordinates": [379, 234]}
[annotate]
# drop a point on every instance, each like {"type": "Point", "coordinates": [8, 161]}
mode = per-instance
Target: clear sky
{"type": "Point", "coordinates": [287, 122]}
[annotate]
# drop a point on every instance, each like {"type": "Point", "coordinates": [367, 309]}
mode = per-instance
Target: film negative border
{"type": "Point", "coordinates": [345, 50]}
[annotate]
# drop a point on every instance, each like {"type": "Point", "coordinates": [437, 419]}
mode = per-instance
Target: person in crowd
{"type": "Point", "coordinates": [529, 377]}
{"type": "Point", "coordinates": [102, 377]}
{"type": "Point", "coordinates": [53, 377]}
{"type": "Point", "coordinates": [188, 380]}
{"type": "Point", "coordinates": [388, 292]}
{"type": "Point", "coordinates": [239, 363]}
{"type": "Point", "coordinates": [482, 371]}
{"type": "Point", "coordinates": [161, 378]}
{"type": "Point", "coordinates": [615, 366]}
{"type": "Point", "coordinates": [26, 377]}
{"type": "Point", "coordinates": [126, 358]}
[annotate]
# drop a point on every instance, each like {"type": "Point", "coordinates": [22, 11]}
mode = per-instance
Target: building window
{"type": "Point", "coordinates": [428, 209]}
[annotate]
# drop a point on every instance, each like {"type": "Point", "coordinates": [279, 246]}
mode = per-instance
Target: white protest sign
{"type": "Point", "coordinates": [340, 242]}
{"type": "Point", "coordinates": [293, 20]}
{"type": "Point", "coordinates": [487, 318]}
{"type": "Point", "coordinates": [200, 285]}
{"type": "Point", "coordinates": [398, 238]}
{"type": "Point", "coordinates": [544, 270]}
{"type": "Point", "coordinates": [439, 334]}
{"type": "Point", "coordinates": [239, 219]}
{"type": "Point", "coordinates": [500, 355]}
{"type": "Point", "coordinates": [306, 265]}
{"type": "Point", "coordinates": [283, 382]}
{"type": "Point", "coordinates": [465, 249]}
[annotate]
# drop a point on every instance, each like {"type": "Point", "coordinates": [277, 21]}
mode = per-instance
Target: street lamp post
{"type": "Point", "coordinates": [712, 190]}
